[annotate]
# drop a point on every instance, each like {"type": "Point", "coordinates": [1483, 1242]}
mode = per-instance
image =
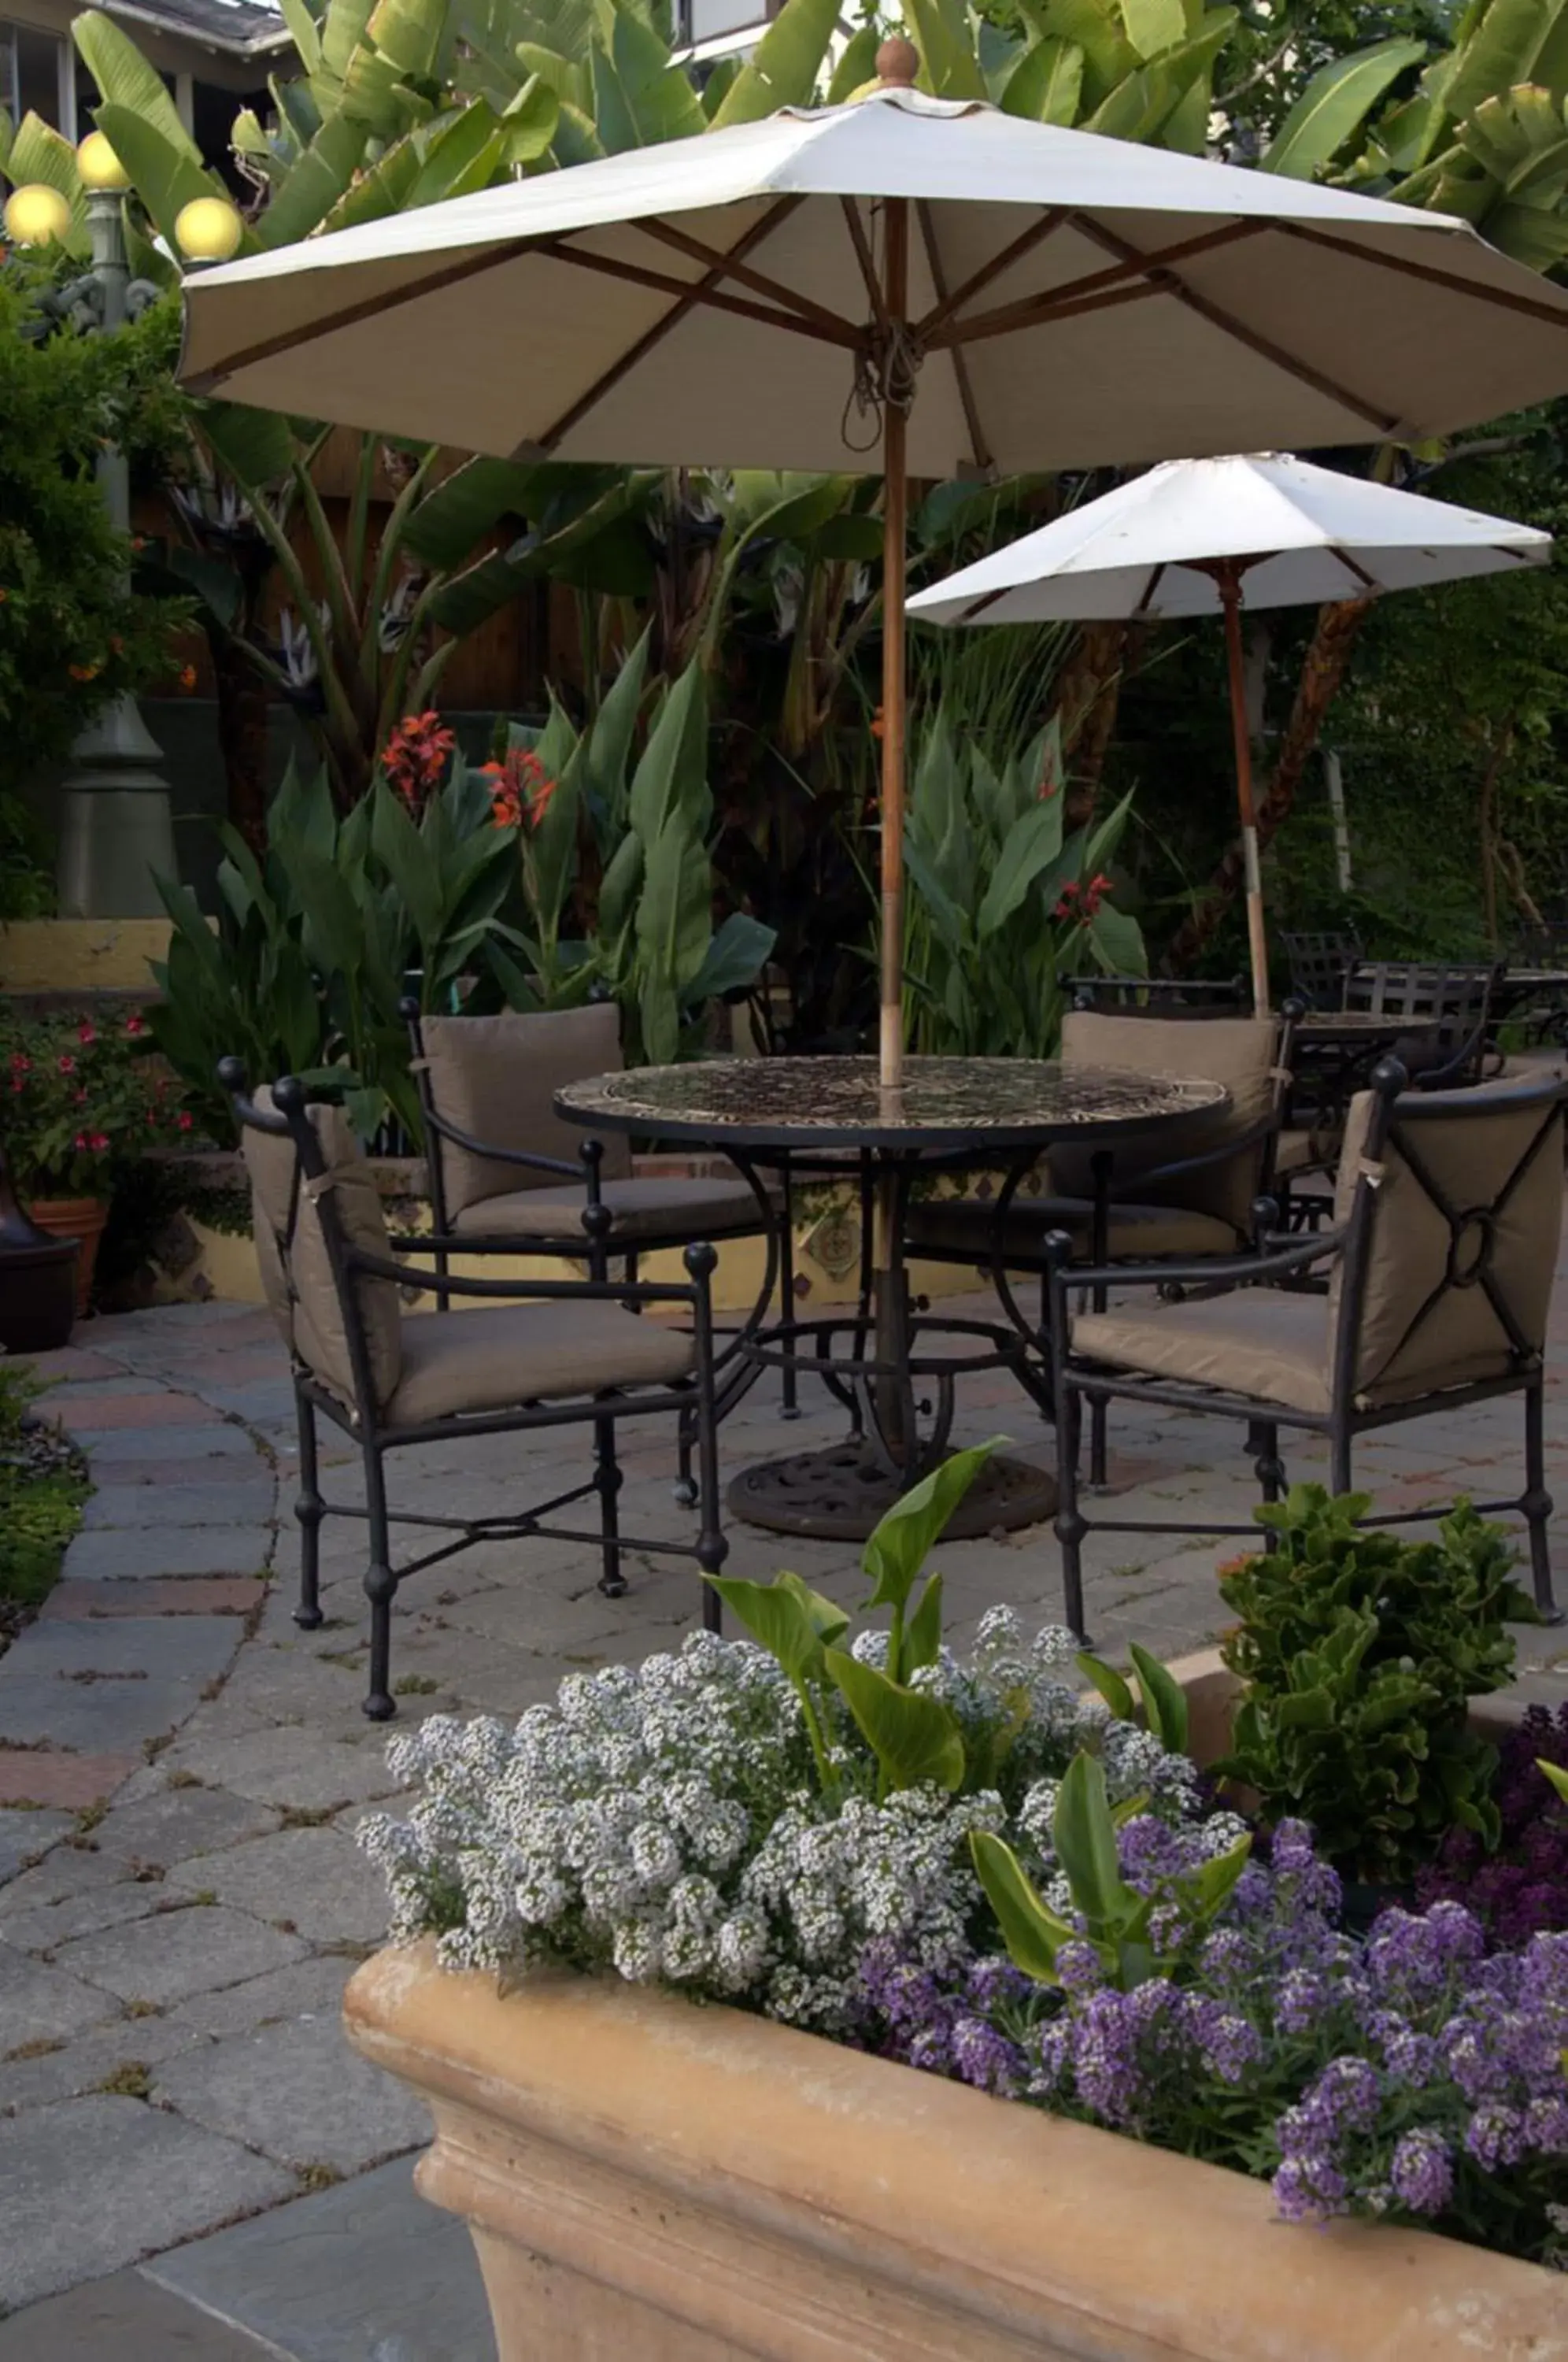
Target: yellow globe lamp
{"type": "Point", "coordinates": [99, 166]}
{"type": "Point", "coordinates": [208, 230]}
{"type": "Point", "coordinates": [36, 215]}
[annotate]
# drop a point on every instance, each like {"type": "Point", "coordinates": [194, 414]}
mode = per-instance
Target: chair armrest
{"type": "Point", "coordinates": [518, 1291]}
{"type": "Point", "coordinates": [434, 1242]}
{"type": "Point", "coordinates": [531, 1160]}
{"type": "Point", "coordinates": [1214, 1272]}
{"type": "Point", "coordinates": [1233, 1144]}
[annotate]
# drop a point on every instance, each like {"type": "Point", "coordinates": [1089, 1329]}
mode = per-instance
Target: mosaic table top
{"type": "Point", "coordinates": [839, 1102]}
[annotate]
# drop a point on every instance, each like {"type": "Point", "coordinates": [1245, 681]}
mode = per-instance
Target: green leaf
{"type": "Point", "coordinates": [782, 69]}
{"type": "Point", "coordinates": [1164, 1700]}
{"type": "Point", "coordinates": [408, 33]}
{"type": "Point", "coordinates": [827, 1619]}
{"type": "Point", "coordinates": [939, 30]}
{"type": "Point", "coordinates": [900, 1544]}
{"type": "Point", "coordinates": [304, 32]}
{"type": "Point", "coordinates": [166, 177]}
{"type": "Point", "coordinates": [1334, 105]}
{"type": "Point", "coordinates": [1556, 1775]}
{"type": "Point", "coordinates": [671, 777]}
{"type": "Point", "coordinates": [530, 122]}
{"type": "Point", "coordinates": [675, 915]}
{"type": "Point", "coordinates": [914, 1737]}
{"type": "Point", "coordinates": [735, 958]}
{"type": "Point", "coordinates": [318, 179]}
{"type": "Point", "coordinates": [1033, 1934]}
{"type": "Point", "coordinates": [256, 446]}
{"type": "Point", "coordinates": [128, 83]}
{"type": "Point", "coordinates": [1502, 49]}
{"type": "Point", "coordinates": [1212, 1887]}
{"type": "Point", "coordinates": [1030, 847]}
{"type": "Point", "coordinates": [1153, 26]}
{"type": "Point", "coordinates": [1084, 1838]}
{"type": "Point", "coordinates": [1109, 1683]}
{"type": "Point", "coordinates": [856, 65]}
{"type": "Point", "coordinates": [922, 1639]}
{"type": "Point", "coordinates": [1047, 83]}
{"type": "Point", "coordinates": [778, 1619]}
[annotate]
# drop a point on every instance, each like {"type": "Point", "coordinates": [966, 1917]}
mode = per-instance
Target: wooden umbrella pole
{"type": "Point", "coordinates": [1230, 581]}
{"type": "Point", "coordinates": [895, 509]}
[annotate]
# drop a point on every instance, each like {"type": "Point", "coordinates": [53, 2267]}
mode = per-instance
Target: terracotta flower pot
{"type": "Point", "coordinates": [81, 1219]}
{"type": "Point", "coordinates": [649, 2179]}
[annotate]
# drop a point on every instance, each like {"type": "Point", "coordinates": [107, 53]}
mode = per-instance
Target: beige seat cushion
{"type": "Point", "coordinates": [1257, 1341]}
{"type": "Point", "coordinates": [1242, 1052]}
{"type": "Point", "coordinates": [666, 1206]}
{"type": "Point", "coordinates": [1304, 1152]}
{"type": "Point", "coordinates": [461, 1363]}
{"type": "Point", "coordinates": [966, 1226]}
{"type": "Point", "coordinates": [496, 1077]}
{"type": "Point", "coordinates": [296, 1272]}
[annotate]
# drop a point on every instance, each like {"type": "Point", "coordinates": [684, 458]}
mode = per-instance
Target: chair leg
{"type": "Point", "coordinates": [1262, 1435]}
{"type": "Point", "coordinates": [310, 1509]}
{"type": "Point", "coordinates": [1099, 1410]}
{"type": "Point", "coordinates": [713, 1548]}
{"type": "Point", "coordinates": [607, 1477]}
{"type": "Point", "coordinates": [1071, 1526]}
{"type": "Point", "coordinates": [685, 1486]}
{"type": "Point", "coordinates": [1339, 1461]}
{"type": "Point", "coordinates": [1537, 1504]}
{"type": "Point", "coordinates": [790, 1382]}
{"type": "Point", "coordinates": [380, 1589]}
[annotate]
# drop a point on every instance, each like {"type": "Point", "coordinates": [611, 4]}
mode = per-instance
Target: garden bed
{"type": "Point", "coordinates": [43, 1484]}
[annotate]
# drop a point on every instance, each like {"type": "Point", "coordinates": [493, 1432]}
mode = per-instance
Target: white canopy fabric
{"type": "Point", "coordinates": [1072, 300]}
{"type": "Point", "coordinates": [1299, 535]}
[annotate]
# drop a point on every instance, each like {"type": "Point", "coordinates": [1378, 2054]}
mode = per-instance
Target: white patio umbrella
{"type": "Point", "coordinates": [1193, 536]}
{"type": "Point", "coordinates": [899, 285]}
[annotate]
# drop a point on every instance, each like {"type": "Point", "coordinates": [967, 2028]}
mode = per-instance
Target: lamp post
{"type": "Point", "coordinates": [116, 831]}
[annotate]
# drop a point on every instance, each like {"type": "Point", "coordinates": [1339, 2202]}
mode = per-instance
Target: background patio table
{"type": "Point", "coordinates": [892, 1366]}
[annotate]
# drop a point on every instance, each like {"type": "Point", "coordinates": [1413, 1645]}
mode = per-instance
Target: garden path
{"type": "Point", "coordinates": [182, 1771]}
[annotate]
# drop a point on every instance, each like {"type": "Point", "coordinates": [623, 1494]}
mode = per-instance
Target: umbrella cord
{"type": "Point", "coordinates": [886, 370]}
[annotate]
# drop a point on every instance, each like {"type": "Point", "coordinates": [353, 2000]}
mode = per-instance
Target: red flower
{"type": "Point", "coordinates": [68, 1065]}
{"type": "Point", "coordinates": [520, 790]}
{"type": "Point", "coordinates": [98, 1141]}
{"type": "Point", "coordinates": [20, 1064]}
{"type": "Point", "coordinates": [80, 1139]}
{"type": "Point", "coordinates": [414, 758]}
{"type": "Point", "coordinates": [187, 678]}
{"type": "Point", "coordinates": [183, 1121]}
{"type": "Point", "coordinates": [1067, 907]}
{"type": "Point", "coordinates": [134, 1025]}
{"type": "Point", "coordinates": [82, 672]}
{"type": "Point", "coordinates": [86, 1030]}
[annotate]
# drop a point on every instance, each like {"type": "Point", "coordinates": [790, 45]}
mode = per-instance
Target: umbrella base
{"type": "Point", "coordinates": [839, 1492]}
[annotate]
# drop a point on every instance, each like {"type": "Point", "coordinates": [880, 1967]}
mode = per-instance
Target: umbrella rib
{"type": "Point", "coordinates": [722, 265]}
{"type": "Point", "coordinates": [1096, 287]}
{"type": "Point", "coordinates": [1532, 308]}
{"type": "Point", "coordinates": [867, 260]}
{"type": "Point", "coordinates": [1025, 242]}
{"type": "Point", "coordinates": [663, 282]}
{"type": "Point", "coordinates": [977, 443]}
{"type": "Point", "coordinates": [1156, 577]}
{"type": "Point", "coordinates": [1176, 287]}
{"type": "Point", "coordinates": [1349, 563]}
{"type": "Point", "coordinates": [645, 343]}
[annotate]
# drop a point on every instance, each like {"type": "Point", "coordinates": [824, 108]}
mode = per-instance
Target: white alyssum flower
{"type": "Point", "coordinates": [666, 1821]}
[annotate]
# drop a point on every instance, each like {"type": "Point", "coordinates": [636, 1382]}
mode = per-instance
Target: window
{"type": "Point", "coordinates": [709, 20]}
{"type": "Point", "coordinates": [31, 67]}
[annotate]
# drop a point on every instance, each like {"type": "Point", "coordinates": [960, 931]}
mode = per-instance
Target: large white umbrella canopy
{"type": "Point", "coordinates": [901, 285]}
{"type": "Point", "coordinates": [1199, 536]}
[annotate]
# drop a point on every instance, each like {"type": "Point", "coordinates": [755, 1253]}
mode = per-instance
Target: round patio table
{"type": "Point", "coordinates": [893, 1365]}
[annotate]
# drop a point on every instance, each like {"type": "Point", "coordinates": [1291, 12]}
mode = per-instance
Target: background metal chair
{"type": "Point", "coordinates": [1164, 996]}
{"type": "Point", "coordinates": [1180, 1193]}
{"type": "Point", "coordinates": [506, 1174]}
{"type": "Point", "coordinates": [547, 1354]}
{"type": "Point", "coordinates": [1319, 966]}
{"type": "Point", "coordinates": [1440, 1266]}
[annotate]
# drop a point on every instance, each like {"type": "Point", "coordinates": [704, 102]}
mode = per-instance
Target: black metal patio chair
{"type": "Point", "coordinates": [546, 1353]}
{"type": "Point", "coordinates": [1319, 963]}
{"type": "Point", "coordinates": [1440, 1264]}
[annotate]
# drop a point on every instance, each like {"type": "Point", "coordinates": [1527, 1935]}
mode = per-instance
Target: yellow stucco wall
{"type": "Point", "coordinates": [81, 955]}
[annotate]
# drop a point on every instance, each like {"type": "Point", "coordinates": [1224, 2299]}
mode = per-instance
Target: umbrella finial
{"type": "Point", "coordinates": [898, 63]}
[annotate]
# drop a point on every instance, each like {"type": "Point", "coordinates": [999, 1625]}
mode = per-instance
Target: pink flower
{"type": "Point", "coordinates": [134, 1025]}
{"type": "Point", "coordinates": [86, 1030]}
{"type": "Point", "coordinates": [68, 1065]}
{"type": "Point", "coordinates": [82, 1140]}
{"type": "Point", "coordinates": [98, 1141]}
{"type": "Point", "coordinates": [183, 1121]}
{"type": "Point", "coordinates": [20, 1065]}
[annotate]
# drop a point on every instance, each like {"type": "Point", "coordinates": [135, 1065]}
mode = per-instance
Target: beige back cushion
{"type": "Point", "coordinates": [1460, 1339]}
{"type": "Point", "coordinates": [297, 1277]}
{"type": "Point", "coordinates": [496, 1077]}
{"type": "Point", "coordinates": [1239, 1052]}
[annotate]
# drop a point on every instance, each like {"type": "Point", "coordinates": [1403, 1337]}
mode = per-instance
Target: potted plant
{"type": "Point", "coordinates": [957, 1865]}
{"type": "Point", "coordinates": [79, 1101]}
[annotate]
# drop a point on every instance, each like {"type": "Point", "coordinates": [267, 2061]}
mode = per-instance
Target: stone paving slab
{"type": "Point", "coordinates": [296, 2091]}
{"type": "Point", "coordinates": [125, 2318]}
{"type": "Point", "coordinates": [24, 1835]}
{"type": "Point", "coordinates": [314, 1882]}
{"type": "Point", "coordinates": [49, 1925]}
{"type": "Point", "coordinates": [121, 1554]}
{"type": "Point", "coordinates": [164, 1958]}
{"type": "Point", "coordinates": [43, 2003]}
{"type": "Point", "coordinates": [31, 1777]}
{"type": "Point", "coordinates": [130, 1404]}
{"type": "Point", "coordinates": [292, 1765]}
{"type": "Point", "coordinates": [176, 1823]}
{"type": "Point", "coordinates": [106, 2054]}
{"type": "Point", "coordinates": [179, 1442]}
{"type": "Point", "coordinates": [187, 1594]}
{"type": "Point", "coordinates": [112, 1683]}
{"type": "Point", "coordinates": [89, 2185]}
{"type": "Point", "coordinates": [245, 1495]}
{"type": "Point", "coordinates": [364, 2273]}
{"type": "Point", "coordinates": [307, 1989]}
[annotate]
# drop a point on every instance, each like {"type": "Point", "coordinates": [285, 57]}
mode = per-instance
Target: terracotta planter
{"type": "Point", "coordinates": [81, 1219]}
{"type": "Point", "coordinates": [659, 2182]}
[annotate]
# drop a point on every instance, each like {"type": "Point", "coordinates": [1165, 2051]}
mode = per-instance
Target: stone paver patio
{"type": "Point", "coordinates": [182, 1771]}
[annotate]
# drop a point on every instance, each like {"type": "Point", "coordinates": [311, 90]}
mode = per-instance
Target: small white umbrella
{"type": "Point", "coordinates": [902, 285]}
{"type": "Point", "coordinates": [1193, 536]}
